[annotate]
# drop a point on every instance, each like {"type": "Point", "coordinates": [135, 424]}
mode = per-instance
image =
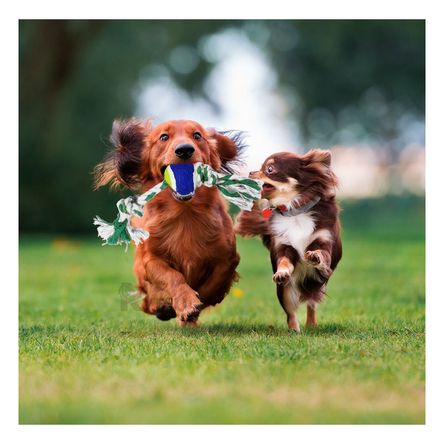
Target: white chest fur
{"type": "Point", "coordinates": [296, 231]}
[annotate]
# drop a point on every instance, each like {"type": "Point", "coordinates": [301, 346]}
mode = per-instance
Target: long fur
{"type": "Point", "coordinates": [231, 166]}
{"type": "Point", "coordinates": [304, 249]}
{"type": "Point", "coordinates": [122, 165]}
{"type": "Point", "coordinates": [189, 261]}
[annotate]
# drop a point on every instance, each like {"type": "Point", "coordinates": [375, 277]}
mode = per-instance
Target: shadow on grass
{"type": "Point", "coordinates": [233, 329]}
{"type": "Point", "coordinates": [143, 330]}
{"type": "Point", "coordinates": [139, 330]}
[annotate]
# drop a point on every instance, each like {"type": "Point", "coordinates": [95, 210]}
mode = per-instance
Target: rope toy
{"type": "Point", "coordinates": [183, 179]}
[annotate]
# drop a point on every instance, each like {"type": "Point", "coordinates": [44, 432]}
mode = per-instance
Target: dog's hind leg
{"type": "Point", "coordinates": [218, 281]}
{"type": "Point", "coordinates": [311, 315]}
{"type": "Point", "coordinates": [289, 299]}
{"type": "Point", "coordinates": [284, 260]}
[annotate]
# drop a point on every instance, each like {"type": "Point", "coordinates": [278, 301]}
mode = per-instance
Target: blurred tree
{"type": "Point", "coordinates": [76, 76]}
{"type": "Point", "coordinates": [356, 73]}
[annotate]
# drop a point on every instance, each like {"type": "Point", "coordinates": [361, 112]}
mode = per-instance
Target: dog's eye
{"type": "Point", "coordinates": [197, 136]}
{"type": "Point", "coordinates": [269, 169]}
{"type": "Point", "coordinates": [164, 137]}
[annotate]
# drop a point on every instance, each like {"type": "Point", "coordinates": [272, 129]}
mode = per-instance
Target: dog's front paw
{"type": "Point", "coordinates": [165, 313]}
{"type": "Point", "coordinates": [187, 307]}
{"type": "Point", "coordinates": [313, 257]}
{"type": "Point", "coordinates": [282, 276]}
{"type": "Point", "coordinates": [191, 314]}
{"type": "Point", "coordinates": [316, 259]}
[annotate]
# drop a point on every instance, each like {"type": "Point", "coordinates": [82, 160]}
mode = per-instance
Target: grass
{"type": "Point", "coordinates": [88, 357]}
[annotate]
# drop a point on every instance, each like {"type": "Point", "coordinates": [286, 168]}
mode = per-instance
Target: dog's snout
{"type": "Point", "coordinates": [184, 151]}
{"type": "Point", "coordinates": [253, 175]}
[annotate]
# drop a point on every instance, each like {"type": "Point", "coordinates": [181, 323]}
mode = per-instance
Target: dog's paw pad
{"type": "Point", "coordinates": [281, 277]}
{"type": "Point", "coordinates": [313, 257]}
{"type": "Point", "coordinates": [316, 259]}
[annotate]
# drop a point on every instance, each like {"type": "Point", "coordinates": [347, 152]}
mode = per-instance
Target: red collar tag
{"type": "Point", "coordinates": [267, 212]}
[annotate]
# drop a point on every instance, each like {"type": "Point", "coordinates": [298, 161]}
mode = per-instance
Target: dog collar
{"type": "Point", "coordinates": [290, 211]}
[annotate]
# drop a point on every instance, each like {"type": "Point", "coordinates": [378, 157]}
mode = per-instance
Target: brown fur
{"type": "Point", "coordinates": [190, 258]}
{"type": "Point", "coordinates": [297, 180]}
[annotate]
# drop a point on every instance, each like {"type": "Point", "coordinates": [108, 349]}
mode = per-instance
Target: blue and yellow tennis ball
{"type": "Point", "coordinates": [181, 179]}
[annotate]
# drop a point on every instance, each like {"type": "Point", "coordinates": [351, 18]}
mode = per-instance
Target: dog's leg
{"type": "Point", "coordinates": [157, 302]}
{"type": "Point", "coordinates": [219, 282]}
{"type": "Point", "coordinates": [171, 283]}
{"type": "Point", "coordinates": [318, 254]}
{"type": "Point", "coordinates": [284, 261]}
{"type": "Point", "coordinates": [284, 271]}
{"type": "Point", "coordinates": [311, 315]}
{"type": "Point", "coordinates": [289, 299]}
{"type": "Point", "coordinates": [139, 271]}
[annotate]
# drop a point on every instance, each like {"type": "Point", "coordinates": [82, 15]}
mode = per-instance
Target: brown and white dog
{"type": "Point", "coordinates": [302, 230]}
{"type": "Point", "coordinates": [189, 261]}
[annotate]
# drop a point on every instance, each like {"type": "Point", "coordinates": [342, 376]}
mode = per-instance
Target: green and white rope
{"type": "Point", "coordinates": [240, 191]}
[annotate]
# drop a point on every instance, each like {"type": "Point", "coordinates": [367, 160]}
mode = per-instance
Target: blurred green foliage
{"type": "Point", "coordinates": [365, 73]}
{"type": "Point", "coordinates": [77, 76]}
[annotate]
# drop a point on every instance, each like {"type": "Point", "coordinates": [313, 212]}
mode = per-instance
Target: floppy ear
{"type": "Point", "coordinates": [322, 157]}
{"type": "Point", "coordinates": [230, 146]}
{"type": "Point", "coordinates": [122, 165]}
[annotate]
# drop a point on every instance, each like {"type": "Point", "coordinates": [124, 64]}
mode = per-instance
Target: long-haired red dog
{"type": "Point", "coordinates": [302, 230]}
{"type": "Point", "coordinates": [189, 261]}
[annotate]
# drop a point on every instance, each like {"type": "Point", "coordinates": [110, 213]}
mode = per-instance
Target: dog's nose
{"type": "Point", "coordinates": [253, 174]}
{"type": "Point", "coordinates": [184, 151]}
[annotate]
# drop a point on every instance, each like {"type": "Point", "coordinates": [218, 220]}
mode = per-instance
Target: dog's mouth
{"type": "Point", "coordinates": [267, 187]}
{"type": "Point", "coordinates": [181, 198]}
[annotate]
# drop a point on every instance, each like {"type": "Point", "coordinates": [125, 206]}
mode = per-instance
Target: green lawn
{"type": "Point", "coordinates": [86, 357]}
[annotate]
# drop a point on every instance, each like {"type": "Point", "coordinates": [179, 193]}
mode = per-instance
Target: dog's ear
{"type": "Point", "coordinates": [122, 165]}
{"type": "Point", "coordinates": [318, 171]}
{"type": "Point", "coordinates": [230, 147]}
{"type": "Point", "coordinates": [318, 156]}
